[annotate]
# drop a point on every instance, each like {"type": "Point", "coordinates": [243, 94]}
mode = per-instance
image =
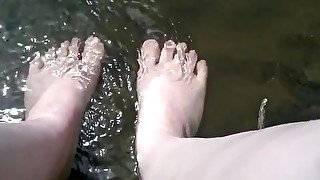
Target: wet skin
{"type": "Point", "coordinates": [59, 88]}
{"type": "Point", "coordinates": [171, 89]}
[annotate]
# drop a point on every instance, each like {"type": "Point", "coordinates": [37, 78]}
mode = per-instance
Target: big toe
{"type": "Point", "coordinates": [150, 52]}
{"type": "Point", "coordinates": [93, 51]}
{"type": "Point", "coordinates": [36, 65]}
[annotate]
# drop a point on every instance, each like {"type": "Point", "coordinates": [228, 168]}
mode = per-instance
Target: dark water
{"type": "Point", "coordinates": [254, 49]}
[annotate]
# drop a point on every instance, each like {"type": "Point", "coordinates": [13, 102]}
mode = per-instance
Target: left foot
{"type": "Point", "coordinates": [59, 87]}
{"type": "Point", "coordinates": [60, 84]}
{"type": "Point", "coordinates": [67, 70]}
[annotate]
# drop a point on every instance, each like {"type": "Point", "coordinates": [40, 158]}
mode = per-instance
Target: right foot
{"type": "Point", "coordinates": [171, 91]}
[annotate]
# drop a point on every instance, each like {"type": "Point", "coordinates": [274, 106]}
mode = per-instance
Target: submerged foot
{"type": "Point", "coordinates": [59, 84]}
{"type": "Point", "coordinates": [65, 65]}
{"type": "Point", "coordinates": [171, 90]}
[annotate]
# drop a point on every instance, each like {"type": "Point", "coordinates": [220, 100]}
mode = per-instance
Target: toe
{"type": "Point", "coordinates": [63, 50]}
{"type": "Point", "coordinates": [181, 52]}
{"type": "Point", "coordinates": [190, 62]}
{"type": "Point", "coordinates": [93, 51]}
{"type": "Point", "coordinates": [74, 48]}
{"type": "Point", "coordinates": [167, 51]}
{"type": "Point", "coordinates": [149, 53]}
{"type": "Point", "coordinates": [50, 55]}
{"type": "Point", "coordinates": [36, 65]}
{"type": "Point", "coordinates": [202, 71]}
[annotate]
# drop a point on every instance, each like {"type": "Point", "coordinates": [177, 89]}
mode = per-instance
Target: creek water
{"type": "Point", "coordinates": [255, 49]}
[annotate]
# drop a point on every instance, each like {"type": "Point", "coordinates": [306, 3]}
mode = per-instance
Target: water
{"type": "Point", "coordinates": [254, 49]}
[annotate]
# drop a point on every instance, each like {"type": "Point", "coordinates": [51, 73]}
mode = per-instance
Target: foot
{"type": "Point", "coordinates": [60, 84]}
{"type": "Point", "coordinates": [171, 90]}
{"type": "Point", "coordinates": [66, 65]}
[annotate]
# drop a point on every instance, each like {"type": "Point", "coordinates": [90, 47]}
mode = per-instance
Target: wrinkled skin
{"type": "Point", "coordinates": [59, 87]}
{"type": "Point", "coordinates": [171, 90]}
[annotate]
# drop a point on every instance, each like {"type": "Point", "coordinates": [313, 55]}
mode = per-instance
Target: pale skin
{"type": "Point", "coordinates": [59, 87]}
{"type": "Point", "coordinates": [171, 99]}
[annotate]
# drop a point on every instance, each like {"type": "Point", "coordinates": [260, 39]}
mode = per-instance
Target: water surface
{"type": "Point", "coordinates": [254, 49]}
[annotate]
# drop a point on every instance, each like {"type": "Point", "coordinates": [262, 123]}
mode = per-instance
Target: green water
{"type": "Point", "coordinates": [254, 49]}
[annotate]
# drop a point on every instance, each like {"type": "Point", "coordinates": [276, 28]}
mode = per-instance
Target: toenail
{"type": "Point", "coordinates": [38, 62]}
{"type": "Point", "coordinates": [150, 42]}
{"type": "Point", "coordinates": [169, 44]}
{"type": "Point", "coordinates": [182, 46]}
{"type": "Point", "coordinates": [95, 40]}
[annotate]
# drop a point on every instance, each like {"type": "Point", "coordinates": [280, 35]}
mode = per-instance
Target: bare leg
{"type": "Point", "coordinates": [171, 88]}
{"type": "Point", "coordinates": [59, 88]}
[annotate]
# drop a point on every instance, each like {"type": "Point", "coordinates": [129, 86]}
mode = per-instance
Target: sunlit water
{"type": "Point", "coordinates": [254, 49]}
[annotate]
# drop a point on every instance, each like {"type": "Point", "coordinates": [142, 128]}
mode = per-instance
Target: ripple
{"type": "Point", "coordinates": [106, 144]}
